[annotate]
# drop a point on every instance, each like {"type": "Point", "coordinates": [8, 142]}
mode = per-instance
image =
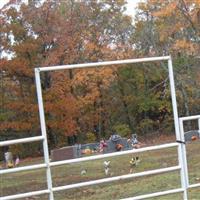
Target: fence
{"type": "Point", "coordinates": [182, 167]}
{"type": "Point", "coordinates": [181, 122]}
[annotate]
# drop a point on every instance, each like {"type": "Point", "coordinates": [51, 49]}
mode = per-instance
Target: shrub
{"type": "Point", "coordinates": [146, 126]}
{"type": "Point", "coordinates": [90, 137]}
{"type": "Point", "coordinates": [122, 129]}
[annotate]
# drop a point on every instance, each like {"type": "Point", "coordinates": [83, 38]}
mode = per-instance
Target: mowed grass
{"type": "Point", "coordinates": [71, 173]}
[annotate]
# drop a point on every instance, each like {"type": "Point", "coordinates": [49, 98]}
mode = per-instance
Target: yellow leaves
{"type": "Point", "coordinates": [197, 2]}
{"type": "Point", "coordinates": [91, 46]}
{"type": "Point", "coordinates": [196, 16]}
{"type": "Point", "coordinates": [168, 10]}
{"type": "Point", "coordinates": [93, 76]}
{"type": "Point", "coordinates": [186, 46]}
{"type": "Point", "coordinates": [167, 30]}
{"type": "Point", "coordinates": [142, 6]}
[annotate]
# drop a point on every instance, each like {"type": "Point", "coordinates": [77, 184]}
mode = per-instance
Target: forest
{"type": "Point", "coordinates": [84, 105]}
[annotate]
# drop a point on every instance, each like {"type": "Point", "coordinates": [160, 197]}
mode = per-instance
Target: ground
{"type": "Point", "coordinates": [71, 173]}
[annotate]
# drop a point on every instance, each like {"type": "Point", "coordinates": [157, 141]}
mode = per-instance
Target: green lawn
{"type": "Point", "coordinates": [67, 174]}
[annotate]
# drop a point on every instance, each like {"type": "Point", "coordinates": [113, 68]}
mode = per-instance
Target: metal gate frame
{"type": "Point", "coordinates": [47, 164]}
{"type": "Point", "coordinates": [182, 132]}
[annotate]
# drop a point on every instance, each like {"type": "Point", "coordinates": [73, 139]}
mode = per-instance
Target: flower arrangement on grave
{"type": "Point", "coordinates": [102, 145]}
{"type": "Point", "coordinates": [133, 163]}
{"type": "Point", "coordinates": [106, 167]}
{"type": "Point", "coordinates": [9, 159]}
{"type": "Point", "coordinates": [134, 143]}
{"type": "Point", "coordinates": [119, 147]}
{"type": "Point", "coordinates": [194, 137]}
{"type": "Point", "coordinates": [83, 172]}
{"type": "Point", "coordinates": [87, 151]}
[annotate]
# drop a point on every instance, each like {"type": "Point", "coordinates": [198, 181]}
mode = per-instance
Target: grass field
{"type": "Point", "coordinates": [67, 174]}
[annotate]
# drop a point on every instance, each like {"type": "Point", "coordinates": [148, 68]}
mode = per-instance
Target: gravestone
{"type": "Point", "coordinates": [188, 135]}
{"type": "Point", "coordinates": [9, 159]}
{"type": "Point", "coordinates": [75, 151]}
{"type": "Point", "coordinates": [65, 153]}
{"type": "Point", "coordinates": [114, 141]}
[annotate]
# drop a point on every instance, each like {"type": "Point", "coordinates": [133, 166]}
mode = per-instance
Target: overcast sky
{"type": "Point", "coordinates": [130, 7]}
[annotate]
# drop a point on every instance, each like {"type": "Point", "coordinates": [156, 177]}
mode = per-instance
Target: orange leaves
{"type": "Point", "coordinates": [3, 63]}
{"type": "Point", "coordinates": [92, 76]}
{"type": "Point", "coordinates": [16, 125]}
{"type": "Point", "coordinates": [20, 67]}
{"type": "Point", "coordinates": [185, 46]}
{"type": "Point", "coordinates": [60, 105]}
{"type": "Point", "coordinates": [196, 16]}
{"type": "Point", "coordinates": [166, 11]}
{"type": "Point", "coordinates": [142, 6]}
{"type": "Point", "coordinates": [93, 81]}
{"type": "Point", "coordinates": [73, 93]}
{"type": "Point", "coordinates": [174, 25]}
{"type": "Point", "coordinates": [167, 31]}
{"type": "Point", "coordinates": [22, 107]}
{"type": "Point", "coordinates": [58, 33]}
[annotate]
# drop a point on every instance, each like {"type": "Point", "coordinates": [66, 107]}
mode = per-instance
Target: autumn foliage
{"type": "Point", "coordinates": [96, 100]}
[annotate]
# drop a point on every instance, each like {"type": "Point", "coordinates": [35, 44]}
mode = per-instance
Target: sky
{"type": "Point", "coordinates": [2, 2]}
{"type": "Point", "coordinates": [130, 7]}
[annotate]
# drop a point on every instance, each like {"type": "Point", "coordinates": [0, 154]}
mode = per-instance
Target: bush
{"type": "Point", "coordinates": [26, 150]}
{"type": "Point", "coordinates": [146, 126]}
{"type": "Point", "coordinates": [90, 137]}
{"type": "Point", "coordinates": [122, 129]}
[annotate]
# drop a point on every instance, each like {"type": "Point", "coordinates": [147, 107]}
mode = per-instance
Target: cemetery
{"type": "Point", "coordinates": [99, 99]}
{"type": "Point", "coordinates": [71, 173]}
{"type": "Point", "coordinates": [79, 150]}
{"type": "Point", "coordinates": [110, 149]}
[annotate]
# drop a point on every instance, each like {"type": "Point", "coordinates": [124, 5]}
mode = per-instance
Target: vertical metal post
{"type": "Point", "coordinates": [199, 127]}
{"type": "Point", "coordinates": [43, 129]}
{"type": "Point", "coordinates": [177, 130]}
{"type": "Point", "coordinates": [184, 152]}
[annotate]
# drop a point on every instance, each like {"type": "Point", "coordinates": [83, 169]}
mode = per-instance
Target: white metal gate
{"type": "Point", "coordinates": [182, 167]}
{"type": "Point", "coordinates": [184, 153]}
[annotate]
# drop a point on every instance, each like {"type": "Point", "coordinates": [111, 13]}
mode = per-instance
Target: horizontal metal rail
{"type": "Point", "coordinates": [156, 194]}
{"type": "Point", "coordinates": [89, 158]}
{"type": "Point", "coordinates": [24, 195]}
{"type": "Point", "coordinates": [96, 64]}
{"type": "Point", "coordinates": [116, 178]}
{"type": "Point", "coordinates": [181, 122]}
{"type": "Point", "coordinates": [50, 190]}
{"type": "Point", "coordinates": [194, 185]}
{"type": "Point", "coordinates": [190, 118]}
{"type": "Point", "coordinates": [25, 168]}
{"type": "Point", "coordinates": [39, 166]}
{"type": "Point", "coordinates": [20, 141]}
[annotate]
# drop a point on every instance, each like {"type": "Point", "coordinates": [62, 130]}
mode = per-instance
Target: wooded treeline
{"type": "Point", "coordinates": [86, 104]}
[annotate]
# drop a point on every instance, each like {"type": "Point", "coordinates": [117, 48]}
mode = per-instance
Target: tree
{"type": "Point", "coordinates": [172, 27]}
{"type": "Point", "coordinates": [56, 33]}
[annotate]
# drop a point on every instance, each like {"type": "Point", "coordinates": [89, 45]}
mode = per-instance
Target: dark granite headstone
{"type": "Point", "coordinates": [112, 145]}
{"type": "Point", "coordinates": [188, 135]}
